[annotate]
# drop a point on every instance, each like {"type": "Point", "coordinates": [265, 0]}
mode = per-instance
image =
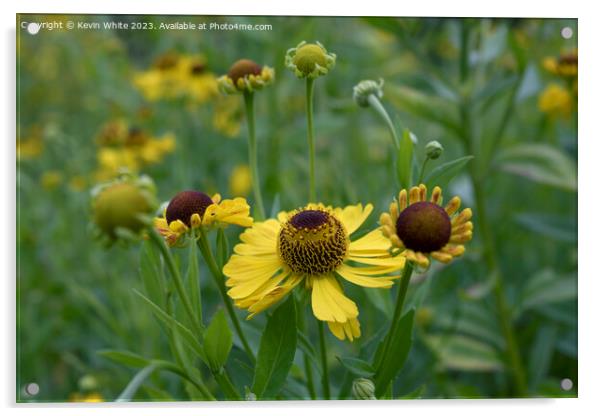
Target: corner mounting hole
{"type": "Point", "coordinates": [566, 384]}
{"type": "Point", "coordinates": [32, 389]}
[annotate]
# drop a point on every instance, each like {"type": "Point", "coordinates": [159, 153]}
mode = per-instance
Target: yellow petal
{"type": "Point", "coordinates": [231, 211]}
{"type": "Point", "coordinates": [348, 273]}
{"type": "Point", "coordinates": [349, 329]}
{"type": "Point", "coordinates": [403, 199]}
{"type": "Point", "coordinates": [462, 217]}
{"type": "Point", "coordinates": [195, 220]}
{"type": "Point", "coordinates": [414, 195]}
{"type": "Point", "coordinates": [455, 251]}
{"type": "Point", "coordinates": [244, 268]}
{"type": "Point", "coordinates": [259, 285]}
{"type": "Point", "coordinates": [453, 205]}
{"type": "Point", "coordinates": [353, 216]}
{"type": "Point", "coordinates": [274, 296]}
{"type": "Point", "coordinates": [328, 301]}
{"type": "Point", "coordinates": [461, 238]}
{"type": "Point", "coordinates": [373, 243]}
{"type": "Point", "coordinates": [376, 261]}
{"type": "Point", "coordinates": [436, 196]}
{"type": "Point", "coordinates": [422, 192]}
{"type": "Point", "coordinates": [394, 211]}
{"type": "Point", "coordinates": [442, 257]}
{"type": "Point", "coordinates": [178, 226]}
{"type": "Point", "coordinates": [216, 198]}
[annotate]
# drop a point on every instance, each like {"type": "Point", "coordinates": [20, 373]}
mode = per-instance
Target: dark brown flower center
{"type": "Point", "coordinates": [166, 61]}
{"type": "Point", "coordinates": [312, 242]}
{"type": "Point", "coordinates": [197, 68]}
{"type": "Point", "coordinates": [424, 227]}
{"type": "Point", "coordinates": [243, 68]}
{"type": "Point", "coordinates": [186, 203]}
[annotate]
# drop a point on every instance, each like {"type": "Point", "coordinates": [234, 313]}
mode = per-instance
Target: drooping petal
{"type": "Point", "coordinates": [348, 273]}
{"type": "Point", "coordinates": [328, 301]}
{"type": "Point", "coordinates": [349, 329]}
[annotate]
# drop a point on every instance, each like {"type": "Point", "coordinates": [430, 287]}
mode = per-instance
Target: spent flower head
{"type": "Point", "coordinates": [123, 207]}
{"type": "Point", "coordinates": [309, 60]}
{"type": "Point", "coordinates": [364, 89]}
{"type": "Point", "coordinates": [245, 75]}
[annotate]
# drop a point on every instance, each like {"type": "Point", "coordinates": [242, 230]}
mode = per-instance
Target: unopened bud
{"type": "Point", "coordinates": [364, 89]}
{"type": "Point", "coordinates": [433, 149]}
{"type": "Point", "coordinates": [363, 389]}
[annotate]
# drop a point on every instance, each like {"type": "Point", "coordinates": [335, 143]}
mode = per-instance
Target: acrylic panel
{"type": "Point", "coordinates": [295, 208]}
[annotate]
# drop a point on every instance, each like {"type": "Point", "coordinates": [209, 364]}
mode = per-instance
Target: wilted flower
{"type": "Point", "coordinates": [423, 228]}
{"type": "Point", "coordinates": [245, 75]}
{"type": "Point", "coordinates": [309, 60]}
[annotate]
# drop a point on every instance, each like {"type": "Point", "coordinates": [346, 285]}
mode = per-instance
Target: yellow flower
{"type": "Point", "coordinates": [566, 65]}
{"type": "Point", "coordinates": [311, 245]}
{"type": "Point", "coordinates": [51, 179]}
{"type": "Point", "coordinates": [227, 115]}
{"type": "Point", "coordinates": [240, 180]}
{"type": "Point", "coordinates": [556, 100]}
{"type": "Point", "coordinates": [86, 398]}
{"type": "Point", "coordinates": [189, 210]}
{"type": "Point", "coordinates": [30, 147]}
{"type": "Point", "coordinates": [424, 228]}
{"type": "Point", "coordinates": [245, 75]}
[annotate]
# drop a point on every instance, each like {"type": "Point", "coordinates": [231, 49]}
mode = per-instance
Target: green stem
{"type": "Point", "coordinates": [226, 385]}
{"type": "Point", "coordinates": [309, 377]}
{"type": "Point", "coordinates": [324, 357]}
{"type": "Point", "coordinates": [404, 283]}
{"type": "Point", "coordinates": [426, 159]}
{"type": "Point", "coordinates": [382, 112]}
{"type": "Point", "coordinates": [309, 104]}
{"type": "Point", "coordinates": [249, 107]}
{"type": "Point", "coordinates": [218, 277]}
{"type": "Point", "coordinates": [177, 279]}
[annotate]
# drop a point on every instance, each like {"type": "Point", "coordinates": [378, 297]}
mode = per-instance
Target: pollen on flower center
{"type": "Point", "coordinates": [243, 68]}
{"type": "Point", "coordinates": [312, 242]}
{"type": "Point", "coordinates": [186, 203]}
{"type": "Point", "coordinates": [424, 227]}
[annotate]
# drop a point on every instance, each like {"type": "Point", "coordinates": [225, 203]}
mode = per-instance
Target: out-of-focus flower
{"type": "Point", "coordinates": [227, 115]}
{"type": "Point", "coordinates": [556, 101]}
{"type": "Point", "coordinates": [32, 146]}
{"type": "Point", "coordinates": [51, 179]}
{"type": "Point", "coordinates": [190, 210]}
{"type": "Point", "coordinates": [240, 180]}
{"type": "Point", "coordinates": [78, 183]}
{"type": "Point", "coordinates": [309, 60]}
{"type": "Point", "coordinates": [423, 228]}
{"type": "Point", "coordinates": [86, 398]}
{"type": "Point", "coordinates": [174, 76]}
{"type": "Point", "coordinates": [122, 207]}
{"type": "Point", "coordinates": [245, 75]}
{"type": "Point", "coordinates": [565, 65]}
{"type": "Point", "coordinates": [364, 89]}
{"type": "Point", "coordinates": [312, 246]}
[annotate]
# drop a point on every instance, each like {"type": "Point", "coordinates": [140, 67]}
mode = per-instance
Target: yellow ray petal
{"type": "Point", "coordinates": [328, 301]}
{"type": "Point", "coordinates": [353, 216]}
{"type": "Point", "coordinates": [422, 192]}
{"type": "Point", "coordinates": [403, 199]}
{"type": "Point", "coordinates": [375, 261]}
{"type": "Point", "coordinates": [453, 205]}
{"type": "Point", "coordinates": [274, 296]}
{"type": "Point", "coordinates": [373, 243]}
{"type": "Point", "coordinates": [257, 287]}
{"type": "Point", "coordinates": [349, 274]}
{"type": "Point", "coordinates": [436, 196]}
{"type": "Point", "coordinates": [349, 329]}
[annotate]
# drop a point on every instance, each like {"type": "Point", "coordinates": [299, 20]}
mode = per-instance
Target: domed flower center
{"type": "Point", "coordinates": [186, 203]}
{"type": "Point", "coordinates": [243, 68]}
{"type": "Point", "coordinates": [166, 61]}
{"type": "Point", "coordinates": [424, 227]}
{"type": "Point", "coordinates": [120, 206]}
{"type": "Point", "coordinates": [197, 68]}
{"type": "Point", "coordinates": [312, 242]}
{"type": "Point", "coordinates": [307, 56]}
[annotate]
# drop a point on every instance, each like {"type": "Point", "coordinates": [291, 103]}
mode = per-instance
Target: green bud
{"type": "Point", "coordinates": [363, 389]}
{"type": "Point", "coordinates": [309, 60]}
{"type": "Point", "coordinates": [433, 149]}
{"type": "Point", "coordinates": [364, 89]}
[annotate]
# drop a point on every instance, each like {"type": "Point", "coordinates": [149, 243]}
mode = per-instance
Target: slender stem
{"type": "Point", "coordinates": [226, 385]}
{"type": "Point", "coordinates": [324, 357]}
{"type": "Point", "coordinates": [309, 376]}
{"type": "Point", "coordinates": [382, 112]}
{"type": "Point", "coordinates": [218, 277]}
{"type": "Point", "coordinates": [249, 107]}
{"type": "Point", "coordinates": [406, 276]}
{"type": "Point", "coordinates": [309, 105]}
{"type": "Point", "coordinates": [177, 279]}
{"type": "Point", "coordinates": [421, 176]}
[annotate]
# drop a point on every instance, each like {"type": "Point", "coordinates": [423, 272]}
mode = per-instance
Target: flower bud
{"type": "Point", "coordinates": [364, 89]}
{"type": "Point", "coordinates": [433, 149]}
{"type": "Point", "coordinates": [363, 389]}
{"type": "Point", "coordinates": [309, 60]}
{"type": "Point", "coordinates": [120, 207]}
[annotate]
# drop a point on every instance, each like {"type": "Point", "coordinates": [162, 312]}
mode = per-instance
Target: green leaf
{"type": "Point", "coordinates": [127, 358]}
{"type": "Point", "coordinates": [540, 163]}
{"type": "Point", "coordinates": [276, 351]}
{"type": "Point", "coordinates": [541, 354]}
{"type": "Point", "coordinates": [442, 174]}
{"type": "Point", "coordinates": [133, 386]}
{"type": "Point", "coordinates": [546, 287]}
{"type": "Point", "coordinates": [557, 227]}
{"type": "Point", "coordinates": [218, 341]}
{"type": "Point", "coordinates": [184, 333]}
{"type": "Point", "coordinates": [306, 346]}
{"type": "Point", "coordinates": [357, 367]}
{"type": "Point", "coordinates": [381, 299]}
{"type": "Point", "coordinates": [405, 158]}
{"type": "Point", "coordinates": [393, 362]}
{"type": "Point", "coordinates": [193, 282]}
{"type": "Point", "coordinates": [458, 352]}
{"type": "Point", "coordinates": [151, 271]}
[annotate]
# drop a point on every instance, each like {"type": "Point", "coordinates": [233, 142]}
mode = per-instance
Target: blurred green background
{"type": "Point", "coordinates": [91, 101]}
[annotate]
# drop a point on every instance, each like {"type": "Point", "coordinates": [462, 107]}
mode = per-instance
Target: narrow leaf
{"type": "Point", "coordinates": [458, 352]}
{"type": "Point", "coordinates": [276, 351]}
{"type": "Point", "coordinates": [357, 367]}
{"type": "Point", "coordinates": [442, 174]}
{"type": "Point", "coordinates": [218, 341]}
{"type": "Point", "coordinates": [404, 159]}
{"type": "Point", "coordinates": [124, 357]}
{"type": "Point", "coordinates": [151, 271]}
{"type": "Point", "coordinates": [193, 282]}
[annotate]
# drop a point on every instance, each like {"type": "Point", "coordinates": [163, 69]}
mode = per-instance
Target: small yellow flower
{"type": "Point", "coordinates": [51, 179]}
{"type": "Point", "coordinates": [311, 245]}
{"type": "Point", "coordinates": [240, 180]}
{"type": "Point", "coordinates": [309, 60]}
{"type": "Point", "coordinates": [189, 210]}
{"type": "Point", "coordinates": [566, 65]}
{"type": "Point", "coordinates": [421, 229]}
{"type": "Point", "coordinates": [556, 100]}
{"type": "Point", "coordinates": [86, 398]}
{"type": "Point", "coordinates": [245, 75]}
{"type": "Point", "coordinates": [227, 115]}
{"type": "Point", "coordinates": [30, 147]}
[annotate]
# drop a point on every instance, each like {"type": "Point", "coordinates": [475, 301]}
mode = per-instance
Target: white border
{"type": "Point", "coordinates": [590, 230]}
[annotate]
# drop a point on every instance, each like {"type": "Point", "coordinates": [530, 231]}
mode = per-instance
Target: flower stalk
{"type": "Point", "coordinates": [309, 94]}
{"type": "Point", "coordinates": [250, 113]}
{"type": "Point", "coordinates": [324, 362]}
